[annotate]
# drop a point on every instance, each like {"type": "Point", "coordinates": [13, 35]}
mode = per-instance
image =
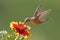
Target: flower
{"type": "Point", "coordinates": [20, 29]}
{"type": "Point", "coordinates": [3, 32]}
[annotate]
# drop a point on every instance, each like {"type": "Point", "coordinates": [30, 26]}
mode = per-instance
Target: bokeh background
{"type": "Point", "coordinates": [18, 10]}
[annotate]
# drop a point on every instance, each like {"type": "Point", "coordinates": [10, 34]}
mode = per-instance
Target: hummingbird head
{"type": "Point", "coordinates": [27, 20]}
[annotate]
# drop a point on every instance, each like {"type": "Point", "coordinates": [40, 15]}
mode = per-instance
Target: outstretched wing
{"type": "Point", "coordinates": [44, 14]}
{"type": "Point", "coordinates": [38, 10]}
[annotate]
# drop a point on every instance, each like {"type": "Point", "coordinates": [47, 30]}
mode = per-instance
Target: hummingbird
{"type": "Point", "coordinates": [39, 16]}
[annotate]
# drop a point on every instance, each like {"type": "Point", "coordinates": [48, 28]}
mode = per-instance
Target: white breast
{"type": "Point", "coordinates": [32, 18]}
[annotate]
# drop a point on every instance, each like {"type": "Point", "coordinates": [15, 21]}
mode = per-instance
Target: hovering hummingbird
{"type": "Point", "coordinates": [39, 17]}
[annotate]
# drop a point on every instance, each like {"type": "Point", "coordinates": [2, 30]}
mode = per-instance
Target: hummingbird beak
{"type": "Point", "coordinates": [24, 22]}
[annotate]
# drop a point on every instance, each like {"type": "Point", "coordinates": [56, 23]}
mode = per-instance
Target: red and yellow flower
{"type": "Point", "coordinates": [20, 29]}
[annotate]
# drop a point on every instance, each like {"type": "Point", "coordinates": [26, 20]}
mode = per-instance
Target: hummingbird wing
{"type": "Point", "coordinates": [38, 10]}
{"type": "Point", "coordinates": [44, 14]}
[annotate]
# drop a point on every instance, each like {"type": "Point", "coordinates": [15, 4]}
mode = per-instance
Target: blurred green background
{"type": "Point", "coordinates": [18, 10]}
